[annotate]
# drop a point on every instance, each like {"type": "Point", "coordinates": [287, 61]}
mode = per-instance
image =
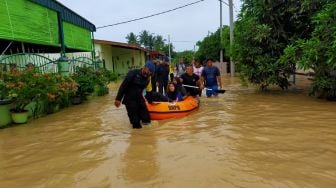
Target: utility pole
{"type": "Point", "coordinates": [169, 48]}
{"type": "Point", "coordinates": [232, 65]}
{"type": "Point", "coordinates": [221, 34]}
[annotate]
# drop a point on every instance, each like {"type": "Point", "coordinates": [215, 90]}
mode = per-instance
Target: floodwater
{"type": "Point", "coordinates": [244, 138]}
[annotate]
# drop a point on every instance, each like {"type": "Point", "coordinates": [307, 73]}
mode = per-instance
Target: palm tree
{"type": "Point", "coordinates": [132, 39]}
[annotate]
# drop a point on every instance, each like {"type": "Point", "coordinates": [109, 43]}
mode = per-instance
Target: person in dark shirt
{"type": "Point", "coordinates": [178, 86]}
{"type": "Point", "coordinates": [130, 93]}
{"type": "Point", "coordinates": [163, 75]}
{"type": "Point", "coordinates": [191, 79]}
{"type": "Point", "coordinates": [154, 76]}
{"type": "Point", "coordinates": [172, 94]}
{"type": "Point", "coordinates": [211, 77]}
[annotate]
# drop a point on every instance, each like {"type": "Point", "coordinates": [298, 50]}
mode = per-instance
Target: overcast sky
{"type": "Point", "coordinates": [185, 26]}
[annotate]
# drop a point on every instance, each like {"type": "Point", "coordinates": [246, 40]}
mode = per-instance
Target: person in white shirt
{"type": "Point", "coordinates": [180, 68]}
{"type": "Point", "coordinates": [198, 68]}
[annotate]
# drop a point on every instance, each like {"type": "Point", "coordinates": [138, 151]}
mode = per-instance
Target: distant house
{"type": "Point", "coordinates": [120, 57]}
{"type": "Point", "coordinates": [155, 54]}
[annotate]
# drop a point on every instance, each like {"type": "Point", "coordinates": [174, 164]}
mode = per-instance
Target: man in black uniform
{"type": "Point", "coordinates": [130, 92]}
{"type": "Point", "coordinates": [191, 79]}
{"type": "Point", "coordinates": [163, 75]}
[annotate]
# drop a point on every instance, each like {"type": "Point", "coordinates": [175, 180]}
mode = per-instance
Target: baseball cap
{"type": "Point", "coordinates": [150, 66]}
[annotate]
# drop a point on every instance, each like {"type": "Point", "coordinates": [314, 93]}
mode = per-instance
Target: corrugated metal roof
{"type": "Point", "coordinates": [118, 44]}
{"type": "Point", "coordinates": [130, 46]}
{"type": "Point", "coordinates": [66, 14]}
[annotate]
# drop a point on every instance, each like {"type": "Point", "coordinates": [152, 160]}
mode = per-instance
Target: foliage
{"type": "Point", "coordinates": [263, 31]}
{"type": "Point", "coordinates": [187, 57]}
{"type": "Point", "coordinates": [145, 39]}
{"type": "Point", "coordinates": [24, 87]}
{"type": "Point", "coordinates": [211, 45]}
{"type": "Point", "coordinates": [150, 41]}
{"type": "Point", "coordinates": [102, 78]}
{"type": "Point", "coordinates": [165, 49]}
{"type": "Point", "coordinates": [29, 86]}
{"type": "Point", "coordinates": [318, 52]}
{"type": "Point", "coordinates": [90, 80]}
{"type": "Point", "coordinates": [111, 76]}
{"type": "Point", "coordinates": [158, 43]}
{"type": "Point", "coordinates": [3, 90]}
{"type": "Point", "coordinates": [59, 90]}
{"type": "Point", "coordinates": [132, 39]}
{"type": "Point", "coordinates": [85, 77]}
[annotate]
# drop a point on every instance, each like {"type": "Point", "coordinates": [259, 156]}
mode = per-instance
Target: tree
{"type": "Point", "coordinates": [159, 43]}
{"type": "Point", "coordinates": [151, 41]}
{"type": "Point", "coordinates": [187, 56]}
{"type": "Point", "coordinates": [211, 45]}
{"type": "Point", "coordinates": [132, 38]}
{"type": "Point", "coordinates": [144, 39]}
{"type": "Point", "coordinates": [263, 31]}
{"type": "Point", "coordinates": [166, 50]}
{"type": "Point", "coordinates": [318, 52]}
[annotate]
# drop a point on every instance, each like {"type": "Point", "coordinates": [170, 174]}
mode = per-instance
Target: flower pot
{"type": "Point", "coordinates": [56, 108]}
{"type": "Point", "coordinates": [90, 97]}
{"type": "Point", "coordinates": [76, 100]}
{"type": "Point", "coordinates": [96, 90]}
{"type": "Point", "coordinates": [5, 116]}
{"type": "Point", "coordinates": [52, 108]}
{"type": "Point", "coordinates": [20, 117]}
{"type": "Point", "coordinates": [35, 108]}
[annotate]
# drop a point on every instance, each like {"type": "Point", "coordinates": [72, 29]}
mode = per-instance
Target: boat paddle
{"type": "Point", "coordinates": [215, 90]}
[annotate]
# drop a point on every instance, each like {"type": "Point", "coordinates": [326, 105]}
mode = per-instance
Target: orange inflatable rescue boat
{"type": "Point", "coordinates": [166, 110]}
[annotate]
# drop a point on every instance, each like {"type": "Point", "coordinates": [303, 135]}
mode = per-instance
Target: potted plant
{"type": "Point", "coordinates": [85, 78]}
{"type": "Point", "coordinates": [5, 117]}
{"type": "Point", "coordinates": [68, 88]}
{"type": "Point", "coordinates": [103, 78]}
{"type": "Point", "coordinates": [59, 90]}
{"type": "Point", "coordinates": [24, 87]}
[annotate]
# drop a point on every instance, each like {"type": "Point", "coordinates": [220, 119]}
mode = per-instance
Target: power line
{"type": "Point", "coordinates": [150, 15]}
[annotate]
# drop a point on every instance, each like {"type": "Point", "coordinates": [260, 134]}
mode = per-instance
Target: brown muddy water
{"type": "Point", "coordinates": [244, 138]}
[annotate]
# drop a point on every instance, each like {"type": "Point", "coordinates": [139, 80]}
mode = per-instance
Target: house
{"type": "Point", "coordinates": [120, 57]}
{"type": "Point", "coordinates": [41, 26]}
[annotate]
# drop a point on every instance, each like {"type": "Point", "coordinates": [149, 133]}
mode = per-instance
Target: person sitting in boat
{"type": "Point", "coordinates": [178, 86]}
{"type": "Point", "coordinates": [153, 96]}
{"type": "Point", "coordinates": [192, 82]}
{"type": "Point", "coordinates": [172, 94]}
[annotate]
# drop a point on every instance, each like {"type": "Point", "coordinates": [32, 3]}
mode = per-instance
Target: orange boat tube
{"type": "Point", "coordinates": [166, 110]}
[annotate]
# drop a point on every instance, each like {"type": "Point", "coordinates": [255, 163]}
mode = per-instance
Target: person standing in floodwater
{"type": "Point", "coordinates": [198, 69]}
{"type": "Point", "coordinates": [130, 93]}
{"type": "Point", "coordinates": [211, 77]}
{"type": "Point", "coordinates": [191, 80]}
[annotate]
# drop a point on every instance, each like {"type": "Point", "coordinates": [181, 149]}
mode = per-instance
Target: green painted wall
{"type": "Point", "coordinates": [106, 52]}
{"type": "Point", "coordinates": [120, 58]}
{"type": "Point", "coordinates": [77, 37]}
{"type": "Point", "coordinates": [22, 20]}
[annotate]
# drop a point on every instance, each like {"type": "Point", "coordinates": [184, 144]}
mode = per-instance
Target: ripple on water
{"type": "Point", "coordinates": [244, 138]}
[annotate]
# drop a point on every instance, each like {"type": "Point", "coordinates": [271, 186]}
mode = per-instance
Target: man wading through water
{"type": "Point", "coordinates": [130, 92]}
